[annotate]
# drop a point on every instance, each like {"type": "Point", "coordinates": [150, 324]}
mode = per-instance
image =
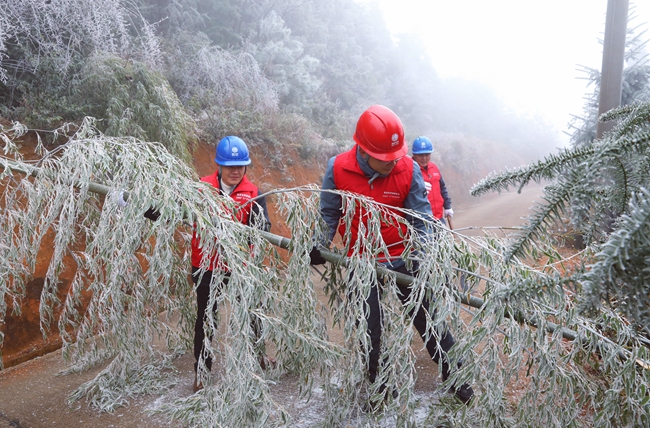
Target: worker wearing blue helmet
{"type": "Point", "coordinates": [230, 179]}
{"type": "Point", "coordinates": [232, 159]}
{"type": "Point", "coordinates": [433, 181]}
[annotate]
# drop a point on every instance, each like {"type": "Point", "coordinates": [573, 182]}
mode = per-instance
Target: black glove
{"type": "Point", "coordinates": [152, 214]}
{"type": "Point", "coordinates": [315, 257]}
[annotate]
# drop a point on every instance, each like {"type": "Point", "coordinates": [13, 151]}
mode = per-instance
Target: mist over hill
{"type": "Point", "coordinates": [276, 73]}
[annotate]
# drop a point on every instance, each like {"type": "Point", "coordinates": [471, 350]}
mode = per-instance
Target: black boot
{"type": "Point", "coordinates": [374, 405]}
{"type": "Point", "coordinates": [464, 392]}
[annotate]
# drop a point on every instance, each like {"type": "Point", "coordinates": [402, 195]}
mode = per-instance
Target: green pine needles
{"type": "Point", "coordinates": [603, 188]}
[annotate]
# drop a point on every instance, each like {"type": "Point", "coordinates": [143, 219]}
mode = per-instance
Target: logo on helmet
{"type": "Point", "coordinates": [395, 139]}
{"type": "Point", "coordinates": [234, 152]}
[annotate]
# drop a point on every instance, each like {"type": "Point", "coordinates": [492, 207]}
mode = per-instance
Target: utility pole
{"type": "Point", "coordinates": [611, 77]}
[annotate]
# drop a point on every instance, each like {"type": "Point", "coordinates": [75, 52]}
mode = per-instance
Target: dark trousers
{"type": "Point", "coordinates": [202, 284]}
{"type": "Point", "coordinates": [374, 318]}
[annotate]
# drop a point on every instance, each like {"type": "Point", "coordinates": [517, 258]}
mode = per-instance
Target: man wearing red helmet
{"type": "Point", "coordinates": [377, 167]}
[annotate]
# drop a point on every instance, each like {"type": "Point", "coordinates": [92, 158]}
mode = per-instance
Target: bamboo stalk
{"type": "Point", "coordinates": [402, 279]}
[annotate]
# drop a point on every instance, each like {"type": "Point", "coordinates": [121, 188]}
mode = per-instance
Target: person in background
{"type": "Point", "coordinates": [435, 184]}
{"type": "Point", "coordinates": [230, 179]}
{"type": "Point", "coordinates": [377, 167]}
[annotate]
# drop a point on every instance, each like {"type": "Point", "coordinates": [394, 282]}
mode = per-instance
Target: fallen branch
{"type": "Point", "coordinates": [402, 279]}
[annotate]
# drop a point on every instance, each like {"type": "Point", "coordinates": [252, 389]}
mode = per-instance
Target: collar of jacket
{"type": "Point", "coordinates": [366, 169]}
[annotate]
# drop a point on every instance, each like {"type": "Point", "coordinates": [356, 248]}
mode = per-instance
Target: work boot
{"type": "Point", "coordinates": [464, 393]}
{"type": "Point", "coordinates": [198, 385]}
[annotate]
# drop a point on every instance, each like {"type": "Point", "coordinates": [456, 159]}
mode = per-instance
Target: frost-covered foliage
{"type": "Point", "coordinates": [284, 61]}
{"type": "Point", "coordinates": [66, 59]}
{"type": "Point", "coordinates": [104, 286]}
{"type": "Point", "coordinates": [605, 184]}
{"type": "Point", "coordinates": [131, 287]}
{"type": "Point", "coordinates": [5, 28]}
{"type": "Point", "coordinates": [134, 100]}
{"type": "Point", "coordinates": [206, 76]}
{"type": "Point", "coordinates": [47, 43]}
{"type": "Point", "coordinates": [60, 31]}
{"type": "Point", "coordinates": [226, 92]}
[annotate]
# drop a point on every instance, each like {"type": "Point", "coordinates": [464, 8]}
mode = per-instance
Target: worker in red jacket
{"type": "Point", "coordinates": [230, 178]}
{"type": "Point", "coordinates": [377, 167]}
{"type": "Point", "coordinates": [435, 184]}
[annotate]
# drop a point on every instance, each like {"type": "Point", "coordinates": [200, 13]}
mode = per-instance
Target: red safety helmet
{"type": "Point", "coordinates": [381, 134]}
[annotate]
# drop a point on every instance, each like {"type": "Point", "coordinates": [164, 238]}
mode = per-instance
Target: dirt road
{"type": "Point", "coordinates": [32, 395]}
{"type": "Point", "coordinates": [498, 212]}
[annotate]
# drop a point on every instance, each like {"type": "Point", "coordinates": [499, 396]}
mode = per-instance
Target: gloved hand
{"type": "Point", "coordinates": [152, 214]}
{"type": "Point", "coordinates": [427, 186]}
{"type": "Point", "coordinates": [118, 197]}
{"type": "Point", "coordinates": [315, 257]}
{"type": "Point", "coordinates": [449, 213]}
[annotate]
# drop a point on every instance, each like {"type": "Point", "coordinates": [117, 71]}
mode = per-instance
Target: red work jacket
{"type": "Point", "coordinates": [391, 190]}
{"type": "Point", "coordinates": [241, 194]}
{"type": "Point", "coordinates": [432, 176]}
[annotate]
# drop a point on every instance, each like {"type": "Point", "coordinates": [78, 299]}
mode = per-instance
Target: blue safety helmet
{"type": "Point", "coordinates": [232, 151]}
{"type": "Point", "coordinates": [422, 145]}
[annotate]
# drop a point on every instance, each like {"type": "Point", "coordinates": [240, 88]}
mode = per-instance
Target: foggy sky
{"type": "Point", "coordinates": [528, 52]}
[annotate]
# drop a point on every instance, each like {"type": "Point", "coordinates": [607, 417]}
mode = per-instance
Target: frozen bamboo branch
{"type": "Point", "coordinates": [338, 259]}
